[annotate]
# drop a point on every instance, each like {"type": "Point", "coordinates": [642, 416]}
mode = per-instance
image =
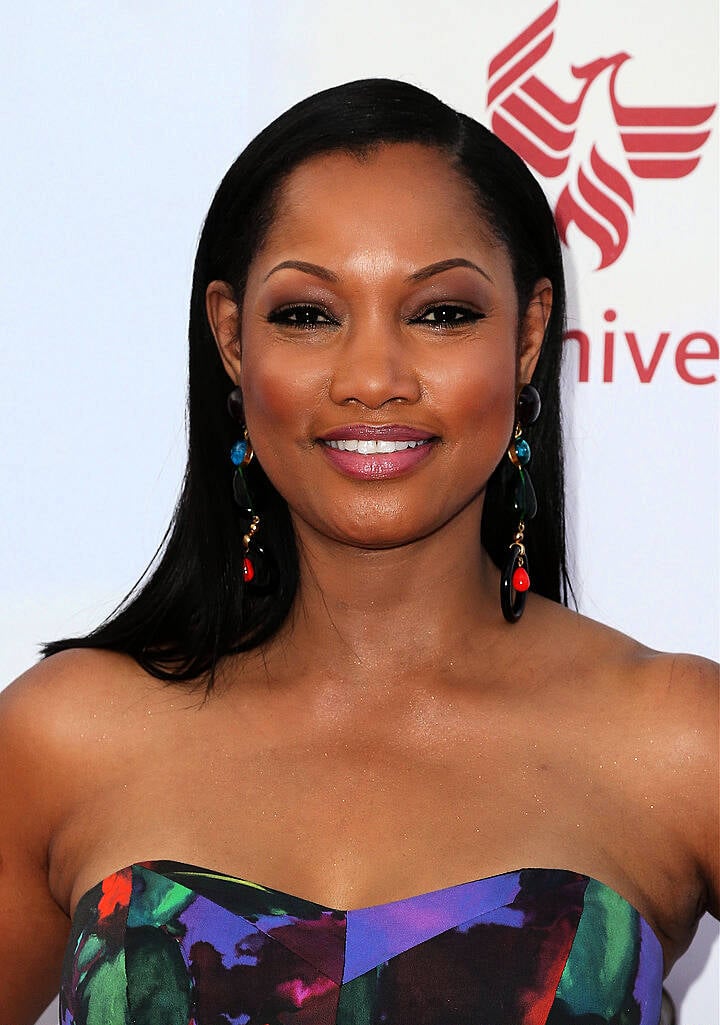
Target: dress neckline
{"type": "Point", "coordinates": [186, 868]}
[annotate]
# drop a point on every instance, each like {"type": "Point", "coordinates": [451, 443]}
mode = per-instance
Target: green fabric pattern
{"type": "Point", "coordinates": [160, 900]}
{"type": "Point", "coordinates": [603, 962]}
{"type": "Point", "coordinates": [105, 993]}
{"type": "Point", "coordinates": [158, 990]}
{"type": "Point", "coordinates": [357, 1000]}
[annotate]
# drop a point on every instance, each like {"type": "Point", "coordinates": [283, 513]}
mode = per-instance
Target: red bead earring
{"type": "Point", "coordinates": [241, 454]}
{"type": "Point", "coordinates": [515, 579]}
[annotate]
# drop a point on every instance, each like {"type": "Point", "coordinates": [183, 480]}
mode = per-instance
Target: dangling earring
{"type": "Point", "coordinates": [515, 579]}
{"type": "Point", "coordinates": [241, 455]}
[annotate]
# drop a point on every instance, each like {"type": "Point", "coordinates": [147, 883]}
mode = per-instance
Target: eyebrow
{"type": "Point", "coordinates": [419, 275]}
{"type": "Point", "coordinates": [308, 268]}
{"type": "Point", "coordinates": [441, 265]}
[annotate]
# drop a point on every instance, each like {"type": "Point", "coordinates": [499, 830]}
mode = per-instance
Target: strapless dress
{"type": "Point", "coordinates": [166, 943]}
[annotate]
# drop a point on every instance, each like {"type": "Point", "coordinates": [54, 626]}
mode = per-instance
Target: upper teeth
{"type": "Point", "coordinates": [368, 448]}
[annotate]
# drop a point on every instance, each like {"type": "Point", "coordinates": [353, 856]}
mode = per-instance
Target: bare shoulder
{"type": "Point", "coordinates": [65, 680]}
{"type": "Point", "coordinates": [659, 712]}
{"type": "Point", "coordinates": [50, 720]}
{"type": "Point", "coordinates": [52, 717]}
{"type": "Point", "coordinates": [680, 696]}
{"type": "Point", "coordinates": [76, 716]}
{"type": "Point", "coordinates": [686, 687]}
{"type": "Point", "coordinates": [605, 655]}
{"type": "Point", "coordinates": [676, 695]}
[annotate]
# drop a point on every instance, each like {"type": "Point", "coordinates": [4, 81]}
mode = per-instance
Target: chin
{"type": "Point", "coordinates": [380, 536]}
{"type": "Point", "coordinates": [379, 543]}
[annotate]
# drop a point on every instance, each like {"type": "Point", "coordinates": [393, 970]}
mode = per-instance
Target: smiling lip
{"type": "Point", "coordinates": [376, 465]}
{"type": "Point", "coordinates": [376, 432]}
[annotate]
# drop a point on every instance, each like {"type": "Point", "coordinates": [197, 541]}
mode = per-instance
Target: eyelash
{"type": "Point", "coordinates": [283, 314]}
{"type": "Point", "coordinates": [468, 316]}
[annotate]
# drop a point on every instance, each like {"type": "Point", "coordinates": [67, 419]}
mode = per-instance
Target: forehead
{"type": "Point", "coordinates": [402, 196]}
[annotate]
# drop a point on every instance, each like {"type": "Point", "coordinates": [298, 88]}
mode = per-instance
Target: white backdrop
{"type": "Point", "coordinates": [118, 122]}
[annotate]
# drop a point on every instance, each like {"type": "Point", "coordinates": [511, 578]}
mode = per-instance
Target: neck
{"type": "Point", "coordinates": [367, 615]}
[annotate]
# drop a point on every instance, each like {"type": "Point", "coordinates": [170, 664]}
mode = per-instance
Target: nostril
{"type": "Point", "coordinates": [374, 383]}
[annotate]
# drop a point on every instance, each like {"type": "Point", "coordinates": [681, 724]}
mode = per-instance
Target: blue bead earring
{"type": "Point", "coordinates": [515, 579]}
{"type": "Point", "coordinates": [241, 455]}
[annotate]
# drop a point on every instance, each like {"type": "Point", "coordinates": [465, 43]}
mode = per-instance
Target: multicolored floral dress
{"type": "Point", "coordinates": [165, 943]}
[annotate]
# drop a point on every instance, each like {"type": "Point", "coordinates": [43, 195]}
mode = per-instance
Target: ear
{"type": "Point", "coordinates": [532, 328]}
{"type": "Point", "coordinates": [224, 317]}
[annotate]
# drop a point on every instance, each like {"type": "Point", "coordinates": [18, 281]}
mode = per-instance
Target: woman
{"type": "Point", "coordinates": [335, 691]}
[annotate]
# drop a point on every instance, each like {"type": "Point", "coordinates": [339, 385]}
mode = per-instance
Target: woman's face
{"type": "Point", "coordinates": [379, 347]}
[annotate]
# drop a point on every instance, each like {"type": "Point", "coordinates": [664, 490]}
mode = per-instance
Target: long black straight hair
{"type": "Point", "coordinates": [190, 608]}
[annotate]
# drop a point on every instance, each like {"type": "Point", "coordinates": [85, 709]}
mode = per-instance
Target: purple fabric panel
{"type": "Point", "coordinates": [376, 934]}
{"type": "Point", "coordinates": [206, 922]}
{"type": "Point", "coordinates": [648, 982]}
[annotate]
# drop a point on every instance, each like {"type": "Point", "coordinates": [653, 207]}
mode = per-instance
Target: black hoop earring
{"type": "Point", "coordinates": [515, 578]}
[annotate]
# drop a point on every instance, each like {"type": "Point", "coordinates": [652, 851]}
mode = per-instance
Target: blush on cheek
{"type": "Point", "coordinates": [277, 411]}
{"type": "Point", "coordinates": [268, 389]}
{"type": "Point", "coordinates": [488, 408]}
{"type": "Point", "coordinates": [268, 400]}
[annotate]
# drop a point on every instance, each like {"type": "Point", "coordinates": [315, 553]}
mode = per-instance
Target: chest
{"type": "Point", "coordinates": [343, 812]}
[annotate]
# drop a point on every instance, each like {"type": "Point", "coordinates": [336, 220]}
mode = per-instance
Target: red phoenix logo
{"type": "Point", "coordinates": [659, 142]}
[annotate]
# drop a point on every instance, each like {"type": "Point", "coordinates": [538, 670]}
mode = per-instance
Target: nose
{"type": "Point", "coordinates": [375, 366]}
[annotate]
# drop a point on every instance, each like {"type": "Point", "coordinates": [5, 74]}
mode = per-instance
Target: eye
{"type": "Point", "coordinates": [304, 316]}
{"type": "Point", "coordinates": [447, 315]}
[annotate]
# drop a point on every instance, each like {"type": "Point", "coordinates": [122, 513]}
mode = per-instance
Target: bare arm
{"type": "Point", "coordinates": [696, 685]}
{"type": "Point", "coordinates": [685, 773]}
{"type": "Point", "coordinates": [33, 928]}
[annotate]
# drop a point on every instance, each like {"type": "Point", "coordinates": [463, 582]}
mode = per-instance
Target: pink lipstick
{"type": "Point", "coordinates": [376, 451]}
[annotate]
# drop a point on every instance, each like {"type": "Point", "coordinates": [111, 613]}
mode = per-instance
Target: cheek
{"type": "Point", "coordinates": [480, 403]}
{"type": "Point", "coordinates": [281, 391]}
